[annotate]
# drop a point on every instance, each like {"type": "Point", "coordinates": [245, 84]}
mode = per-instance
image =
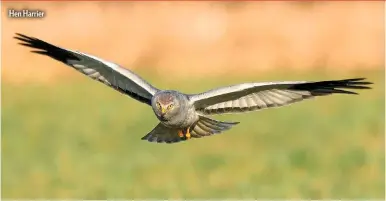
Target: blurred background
{"type": "Point", "coordinates": [65, 136]}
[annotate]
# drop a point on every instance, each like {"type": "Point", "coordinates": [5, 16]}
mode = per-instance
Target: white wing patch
{"type": "Point", "coordinates": [91, 73]}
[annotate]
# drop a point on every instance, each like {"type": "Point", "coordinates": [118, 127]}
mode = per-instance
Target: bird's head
{"type": "Point", "coordinates": [166, 105]}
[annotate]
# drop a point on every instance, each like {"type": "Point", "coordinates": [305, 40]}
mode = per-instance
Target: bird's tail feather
{"type": "Point", "coordinates": [163, 134]}
{"type": "Point", "coordinates": [202, 128]}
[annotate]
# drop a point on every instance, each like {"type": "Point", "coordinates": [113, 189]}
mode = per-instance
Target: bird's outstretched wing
{"type": "Point", "coordinates": [106, 72]}
{"type": "Point", "coordinates": [256, 96]}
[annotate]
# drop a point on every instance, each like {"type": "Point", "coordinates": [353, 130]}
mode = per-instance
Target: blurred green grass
{"type": "Point", "coordinates": [80, 139]}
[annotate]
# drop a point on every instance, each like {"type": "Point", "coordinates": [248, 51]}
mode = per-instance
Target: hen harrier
{"type": "Point", "coordinates": [184, 116]}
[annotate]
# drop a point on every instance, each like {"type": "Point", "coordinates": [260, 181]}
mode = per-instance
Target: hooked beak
{"type": "Point", "coordinates": [163, 111]}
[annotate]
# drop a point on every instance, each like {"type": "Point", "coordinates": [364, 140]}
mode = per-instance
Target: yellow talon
{"type": "Point", "coordinates": [187, 134]}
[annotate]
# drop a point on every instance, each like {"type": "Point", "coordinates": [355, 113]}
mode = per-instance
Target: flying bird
{"type": "Point", "coordinates": [185, 116]}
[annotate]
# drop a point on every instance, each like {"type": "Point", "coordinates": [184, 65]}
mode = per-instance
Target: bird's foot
{"type": "Point", "coordinates": [187, 135]}
{"type": "Point", "coordinates": [180, 133]}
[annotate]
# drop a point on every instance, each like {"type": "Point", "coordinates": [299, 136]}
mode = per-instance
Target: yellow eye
{"type": "Point", "coordinates": [158, 105]}
{"type": "Point", "coordinates": [170, 106]}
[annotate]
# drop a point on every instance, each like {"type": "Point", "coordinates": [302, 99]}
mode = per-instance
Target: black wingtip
{"type": "Point", "coordinates": [44, 48]}
{"type": "Point", "coordinates": [24, 38]}
{"type": "Point", "coordinates": [334, 86]}
{"type": "Point", "coordinates": [353, 79]}
{"type": "Point", "coordinates": [18, 35]}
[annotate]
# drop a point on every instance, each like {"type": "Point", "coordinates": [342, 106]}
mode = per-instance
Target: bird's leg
{"type": "Point", "coordinates": [188, 133]}
{"type": "Point", "coordinates": [180, 133]}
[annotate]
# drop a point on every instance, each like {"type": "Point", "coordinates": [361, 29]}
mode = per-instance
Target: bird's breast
{"type": "Point", "coordinates": [191, 117]}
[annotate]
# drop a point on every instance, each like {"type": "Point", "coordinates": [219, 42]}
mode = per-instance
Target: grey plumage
{"type": "Point", "coordinates": [184, 116]}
